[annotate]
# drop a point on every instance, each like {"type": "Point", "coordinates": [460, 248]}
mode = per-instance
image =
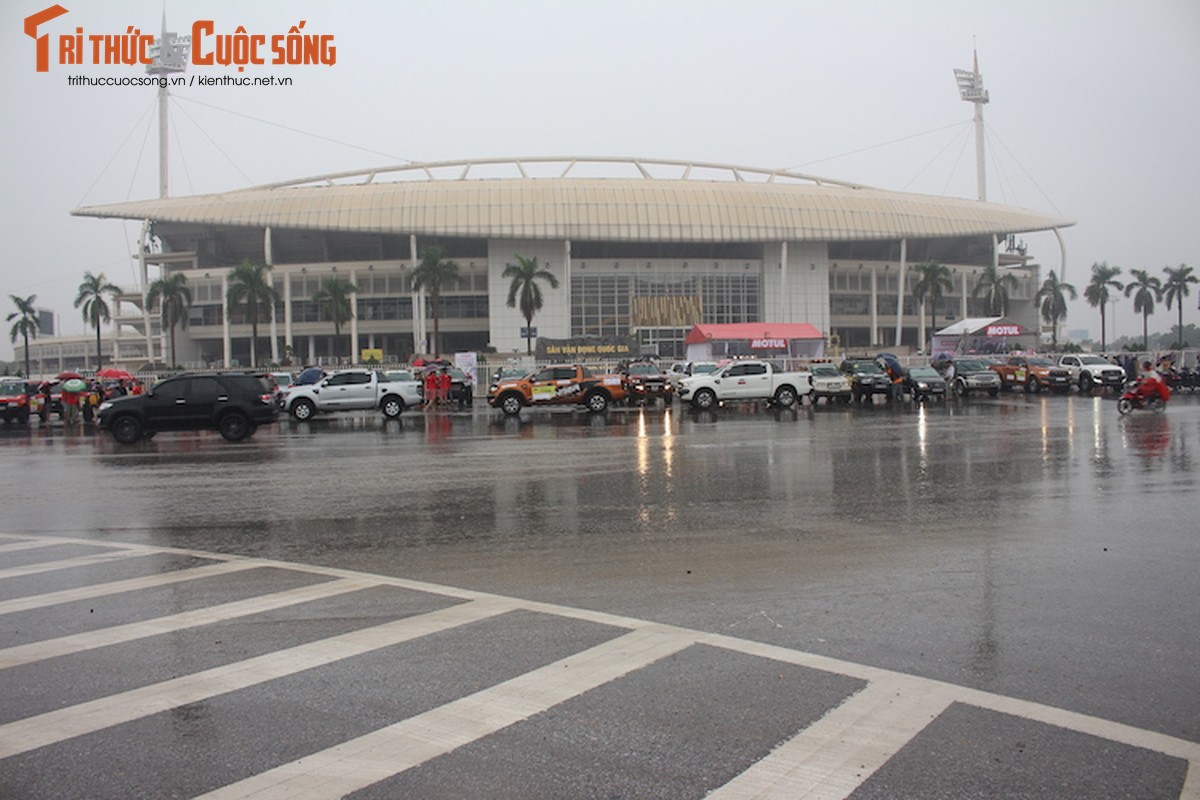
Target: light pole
{"type": "Point", "coordinates": [970, 88]}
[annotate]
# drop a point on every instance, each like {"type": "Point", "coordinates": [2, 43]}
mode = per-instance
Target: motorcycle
{"type": "Point", "coordinates": [1144, 393]}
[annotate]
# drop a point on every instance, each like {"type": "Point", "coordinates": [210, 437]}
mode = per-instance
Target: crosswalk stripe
{"type": "Point", "coordinates": [29, 544]}
{"type": "Point", "coordinates": [31, 733]}
{"type": "Point", "coordinates": [126, 585]}
{"type": "Point", "coordinates": [68, 563]}
{"type": "Point", "coordinates": [388, 751]}
{"type": "Point", "coordinates": [830, 759]}
{"type": "Point", "coordinates": [64, 645]}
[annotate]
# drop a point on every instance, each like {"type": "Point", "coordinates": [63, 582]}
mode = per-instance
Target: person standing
{"type": "Point", "coordinates": [444, 384]}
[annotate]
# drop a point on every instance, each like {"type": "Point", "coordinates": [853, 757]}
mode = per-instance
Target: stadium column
{"type": "Point", "coordinates": [900, 290]}
{"type": "Point", "coordinates": [226, 342]}
{"type": "Point", "coordinates": [353, 317]}
{"type": "Point", "coordinates": [274, 322]}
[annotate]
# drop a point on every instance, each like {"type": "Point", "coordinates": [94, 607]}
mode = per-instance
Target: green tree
{"type": "Point", "coordinates": [173, 297]}
{"type": "Point", "coordinates": [932, 287]}
{"type": "Point", "coordinates": [994, 286]}
{"type": "Point", "coordinates": [525, 291]}
{"type": "Point", "coordinates": [26, 323]}
{"type": "Point", "coordinates": [1146, 290]}
{"type": "Point", "coordinates": [1052, 300]}
{"type": "Point", "coordinates": [91, 300]}
{"type": "Point", "coordinates": [1175, 288]}
{"type": "Point", "coordinates": [1097, 293]}
{"type": "Point", "coordinates": [433, 274]}
{"type": "Point", "coordinates": [250, 291]}
{"type": "Point", "coordinates": [334, 302]}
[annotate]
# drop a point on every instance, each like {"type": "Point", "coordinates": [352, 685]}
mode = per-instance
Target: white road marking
{"type": "Point", "coordinates": [388, 751]}
{"type": "Point", "coordinates": [828, 759]}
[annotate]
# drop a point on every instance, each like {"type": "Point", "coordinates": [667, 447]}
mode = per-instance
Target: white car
{"type": "Point", "coordinates": [1090, 372]}
{"type": "Point", "coordinates": [828, 382]}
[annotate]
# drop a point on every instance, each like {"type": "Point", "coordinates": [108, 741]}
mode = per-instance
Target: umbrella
{"type": "Point", "coordinates": [112, 373]}
{"type": "Point", "coordinates": [75, 385]}
{"type": "Point", "coordinates": [62, 376]}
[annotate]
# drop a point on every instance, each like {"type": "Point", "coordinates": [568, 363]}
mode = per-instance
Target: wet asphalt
{"type": "Point", "coordinates": [1035, 547]}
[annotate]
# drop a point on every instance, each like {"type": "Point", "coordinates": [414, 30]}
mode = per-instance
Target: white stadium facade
{"type": "Point", "coordinates": [642, 249]}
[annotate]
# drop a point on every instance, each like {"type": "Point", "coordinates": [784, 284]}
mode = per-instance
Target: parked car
{"type": "Point", "coordinates": [1090, 372]}
{"type": "Point", "coordinates": [745, 380]}
{"type": "Point", "coordinates": [353, 390]}
{"type": "Point", "coordinates": [233, 404]}
{"type": "Point", "coordinates": [560, 384]}
{"type": "Point", "coordinates": [924, 383]}
{"type": "Point", "coordinates": [645, 383]}
{"type": "Point", "coordinates": [462, 388]}
{"type": "Point", "coordinates": [867, 378]}
{"type": "Point", "coordinates": [1032, 373]}
{"type": "Point", "coordinates": [14, 400]}
{"type": "Point", "coordinates": [967, 375]}
{"type": "Point", "coordinates": [829, 383]}
{"type": "Point", "coordinates": [681, 370]}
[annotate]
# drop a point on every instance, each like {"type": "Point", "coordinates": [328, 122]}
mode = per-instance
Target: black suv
{"type": "Point", "coordinates": [234, 404]}
{"type": "Point", "coordinates": [867, 378]}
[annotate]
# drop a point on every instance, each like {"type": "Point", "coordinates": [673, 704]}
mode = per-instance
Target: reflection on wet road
{"type": "Point", "coordinates": [1040, 548]}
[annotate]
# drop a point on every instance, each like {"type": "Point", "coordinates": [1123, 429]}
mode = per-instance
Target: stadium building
{"type": "Point", "coordinates": [643, 250]}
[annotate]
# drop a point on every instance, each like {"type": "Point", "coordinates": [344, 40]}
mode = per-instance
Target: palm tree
{"type": "Point", "coordinates": [995, 286]}
{"type": "Point", "coordinates": [333, 300]}
{"type": "Point", "coordinates": [1175, 288]}
{"type": "Point", "coordinates": [174, 298]}
{"type": "Point", "coordinates": [1097, 294]}
{"type": "Point", "coordinates": [1052, 298]}
{"type": "Point", "coordinates": [251, 291]}
{"type": "Point", "coordinates": [525, 275]}
{"type": "Point", "coordinates": [434, 272]}
{"type": "Point", "coordinates": [1145, 289]}
{"type": "Point", "coordinates": [935, 282]}
{"type": "Point", "coordinates": [26, 323]}
{"type": "Point", "coordinates": [90, 299]}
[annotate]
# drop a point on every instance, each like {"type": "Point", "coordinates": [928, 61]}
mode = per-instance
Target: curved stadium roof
{"type": "Point", "coordinates": [683, 202]}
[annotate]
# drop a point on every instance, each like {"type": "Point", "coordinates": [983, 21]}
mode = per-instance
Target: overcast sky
{"type": "Point", "coordinates": [1094, 111]}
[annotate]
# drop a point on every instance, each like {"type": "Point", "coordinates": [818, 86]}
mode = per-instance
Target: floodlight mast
{"type": "Point", "coordinates": [970, 88]}
{"type": "Point", "coordinates": [168, 56]}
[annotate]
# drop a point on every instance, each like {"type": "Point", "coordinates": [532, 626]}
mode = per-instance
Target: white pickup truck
{"type": "Point", "coordinates": [745, 380]}
{"type": "Point", "coordinates": [1093, 372]}
{"type": "Point", "coordinates": [352, 390]}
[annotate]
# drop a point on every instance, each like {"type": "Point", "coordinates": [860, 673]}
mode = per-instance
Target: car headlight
{"type": "Point", "coordinates": [922, 385]}
{"type": "Point", "coordinates": [105, 406]}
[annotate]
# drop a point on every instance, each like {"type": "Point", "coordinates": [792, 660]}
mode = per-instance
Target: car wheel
{"type": "Point", "coordinates": [1031, 386]}
{"type": "Point", "coordinates": [960, 388]}
{"type": "Point", "coordinates": [127, 430]}
{"type": "Point", "coordinates": [234, 426]}
{"type": "Point", "coordinates": [303, 409]}
{"type": "Point", "coordinates": [785, 397]}
{"type": "Point", "coordinates": [1085, 384]}
{"type": "Point", "coordinates": [511, 404]}
{"type": "Point", "coordinates": [704, 399]}
{"type": "Point", "coordinates": [392, 406]}
{"type": "Point", "coordinates": [596, 402]}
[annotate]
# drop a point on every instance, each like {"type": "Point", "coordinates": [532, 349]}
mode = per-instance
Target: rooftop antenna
{"type": "Point", "coordinates": [970, 88]}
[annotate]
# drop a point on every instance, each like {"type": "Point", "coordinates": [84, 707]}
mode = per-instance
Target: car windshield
{"type": "Point", "coordinates": [1092, 360]}
{"type": "Point", "coordinates": [969, 365]}
{"type": "Point", "coordinates": [398, 375]}
{"type": "Point", "coordinates": [703, 369]}
{"type": "Point", "coordinates": [12, 387]}
{"type": "Point", "coordinates": [825, 370]}
{"type": "Point", "coordinates": [1040, 362]}
{"type": "Point", "coordinates": [868, 367]}
{"type": "Point", "coordinates": [643, 369]}
{"type": "Point", "coordinates": [924, 372]}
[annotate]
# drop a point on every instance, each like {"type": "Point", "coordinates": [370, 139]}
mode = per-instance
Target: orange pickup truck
{"type": "Point", "coordinates": [1033, 374]}
{"type": "Point", "coordinates": [557, 385]}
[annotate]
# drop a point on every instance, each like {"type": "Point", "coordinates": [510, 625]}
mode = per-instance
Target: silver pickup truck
{"type": "Point", "coordinates": [353, 390]}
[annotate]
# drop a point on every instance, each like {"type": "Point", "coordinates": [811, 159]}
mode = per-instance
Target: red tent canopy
{"type": "Point", "coordinates": [752, 331]}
